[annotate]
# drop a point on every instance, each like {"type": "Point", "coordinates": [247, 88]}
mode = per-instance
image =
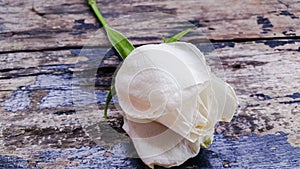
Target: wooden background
{"type": "Point", "coordinates": [46, 123]}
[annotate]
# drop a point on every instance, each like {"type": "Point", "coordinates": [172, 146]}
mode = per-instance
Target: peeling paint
{"type": "Point", "coordinates": [18, 101]}
{"type": "Point", "coordinates": [81, 25]}
{"type": "Point", "coordinates": [197, 23]}
{"type": "Point", "coordinates": [276, 43]}
{"type": "Point", "coordinates": [52, 81]}
{"type": "Point", "coordinates": [287, 13]}
{"type": "Point", "coordinates": [74, 97]}
{"type": "Point", "coordinates": [64, 112]}
{"type": "Point", "coordinates": [261, 96]}
{"type": "Point", "coordinates": [223, 44]}
{"type": "Point", "coordinates": [294, 95]}
{"type": "Point", "coordinates": [290, 102]}
{"type": "Point", "coordinates": [13, 162]}
{"type": "Point", "coordinates": [89, 157]}
{"type": "Point", "coordinates": [266, 24]}
{"type": "Point", "coordinates": [288, 33]}
{"type": "Point", "coordinates": [247, 151]}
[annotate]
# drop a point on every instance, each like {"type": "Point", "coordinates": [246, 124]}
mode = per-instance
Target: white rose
{"type": "Point", "coordinates": [171, 101]}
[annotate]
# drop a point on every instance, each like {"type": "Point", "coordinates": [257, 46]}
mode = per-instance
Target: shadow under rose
{"type": "Point", "coordinates": [202, 160]}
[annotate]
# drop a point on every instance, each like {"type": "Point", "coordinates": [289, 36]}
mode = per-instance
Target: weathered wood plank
{"type": "Point", "coordinates": [225, 152]}
{"type": "Point", "coordinates": [260, 71]}
{"type": "Point", "coordinates": [46, 122]}
{"type": "Point", "coordinates": [37, 25]}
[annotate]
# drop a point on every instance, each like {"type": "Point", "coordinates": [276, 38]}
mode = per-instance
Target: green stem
{"type": "Point", "coordinates": [108, 99]}
{"type": "Point", "coordinates": [97, 12]}
{"type": "Point", "coordinates": [109, 96]}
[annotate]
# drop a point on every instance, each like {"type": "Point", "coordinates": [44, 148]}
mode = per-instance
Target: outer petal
{"type": "Point", "coordinates": [160, 145]}
{"type": "Point", "coordinates": [146, 80]}
{"type": "Point", "coordinates": [171, 101]}
{"type": "Point", "coordinates": [182, 115]}
{"type": "Point", "coordinates": [217, 102]}
{"type": "Point", "coordinates": [227, 101]}
{"type": "Point", "coordinates": [194, 60]}
{"type": "Point", "coordinates": [150, 88]}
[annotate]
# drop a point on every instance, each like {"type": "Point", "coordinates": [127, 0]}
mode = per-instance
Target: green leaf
{"type": "Point", "coordinates": [120, 42]}
{"type": "Point", "coordinates": [176, 37]}
{"type": "Point", "coordinates": [123, 46]}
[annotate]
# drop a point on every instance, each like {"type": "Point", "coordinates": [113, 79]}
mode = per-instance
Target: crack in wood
{"type": "Point", "coordinates": [234, 40]}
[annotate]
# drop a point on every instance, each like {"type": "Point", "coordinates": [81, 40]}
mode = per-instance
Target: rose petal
{"type": "Point", "coordinates": [171, 101]}
{"type": "Point", "coordinates": [160, 145]}
{"type": "Point", "coordinates": [227, 101]}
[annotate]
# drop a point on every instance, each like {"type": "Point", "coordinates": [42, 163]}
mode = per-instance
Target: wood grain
{"type": "Point", "coordinates": [258, 70]}
{"type": "Point", "coordinates": [52, 90]}
{"type": "Point", "coordinates": [38, 25]}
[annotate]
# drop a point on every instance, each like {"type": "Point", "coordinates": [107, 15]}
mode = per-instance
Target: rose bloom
{"type": "Point", "coordinates": [171, 102]}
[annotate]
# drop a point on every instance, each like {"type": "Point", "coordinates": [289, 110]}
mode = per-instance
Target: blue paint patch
{"type": "Point", "coordinates": [276, 43]}
{"type": "Point", "coordinates": [224, 44]}
{"type": "Point", "coordinates": [77, 33]}
{"type": "Point", "coordinates": [266, 24]}
{"type": "Point", "coordinates": [269, 151]}
{"type": "Point", "coordinates": [251, 151]}
{"type": "Point", "coordinates": [83, 98]}
{"type": "Point", "coordinates": [75, 97]}
{"type": "Point", "coordinates": [90, 157]}
{"type": "Point", "coordinates": [208, 47]}
{"type": "Point", "coordinates": [252, 105]}
{"type": "Point", "coordinates": [101, 97]}
{"type": "Point", "coordinates": [64, 112]}
{"type": "Point", "coordinates": [57, 98]}
{"type": "Point", "coordinates": [18, 101]}
{"type": "Point", "coordinates": [261, 96]}
{"type": "Point", "coordinates": [60, 87]}
{"type": "Point", "coordinates": [197, 23]}
{"type": "Point", "coordinates": [50, 155]}
{"type": "Point", "coordinates": [205, 47]}
{"type": "Point", "coordinates": [60, 67]}
{"type": "Point", "coordinates": [81, 21]}
{"type": "Point", "coordinates": [294, 95]}
{"type": "Point", "coordinates": [60, 90]}
{"type": "Point", "coordinates": [68, 89]}
{"type": "Point", "coordinates": [291, 102]}
{"type": "Point", "coordinates": [81, 25]}
{"type": "Point", "coordinates": [75, 52]}
{"type": "Point", "coordinates": [287, 13]}
{"type": "Point", "coordinates": [51, 82]}
{"type": "Point", "coordinates": [13, 162]}
{"type": "Point", "coordinates": [286, 33]}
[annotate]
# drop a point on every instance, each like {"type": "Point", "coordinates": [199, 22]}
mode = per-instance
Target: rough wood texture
{"type": "Point", "coordinates": [52, 91]}
{"type": "Point", "coordinates": [37, 25]}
